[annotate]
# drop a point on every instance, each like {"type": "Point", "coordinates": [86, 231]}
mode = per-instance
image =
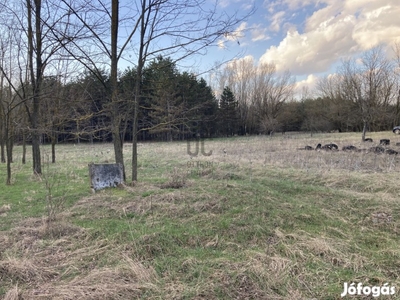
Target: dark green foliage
{"type": "Point", "coordinates": [228, 115]}
{"type": "Point", "coordinates": [166, 108]}
{"type": "Point", "coordinates": [86, 100]}
{"type": "Point", "coordinates": [173, 105]}
{"type": "Point", "coordinates": [177, 105]}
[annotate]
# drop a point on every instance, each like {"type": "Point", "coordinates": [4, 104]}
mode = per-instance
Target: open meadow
{"type": "Point", "coordinates": [256, 219]}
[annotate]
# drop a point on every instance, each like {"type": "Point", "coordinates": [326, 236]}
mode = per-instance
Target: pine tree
{"type": "Point", "coordinates": [228, 113]}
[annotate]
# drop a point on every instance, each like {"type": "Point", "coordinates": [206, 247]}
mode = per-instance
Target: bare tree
{"type": "Point", "coordinates": [106, 48]}
{"type": "Point", "coordinates": [369, 84]}
{"type": "Point", "coordinates": [54, 108]}
{"type": "Point", "coordinates": [363, 89]}
{"type": "Point", "coordinates": [176, 29]}
{"type": "Point", "coordinates": [341, 112]}
{"type": "Point", "coordinates": [150, 27]}
{"type": "Point", "coordinates": [31, 24]}
{"type": "Point", "coordinates": [396, 50]}
{"type": "Point", "coordinates": [239, 75]}
{"type": "Point", "coordinates": [272, 90]}
{"type": "Point", "coordinates": [9, 103]}
{"type": "Point", "coordinates": [261, 91]}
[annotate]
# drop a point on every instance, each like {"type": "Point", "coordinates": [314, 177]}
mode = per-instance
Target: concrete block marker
{"type": "Point", "coordinates": [105, 175]}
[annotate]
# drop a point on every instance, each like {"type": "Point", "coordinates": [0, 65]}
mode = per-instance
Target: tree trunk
{"type": "Point", "coordinates": [9, 158]}
{"type": "Point", "coordinates": [364, 130]}
{"type": "Point", "coordinates": [2, 145]}
{"type": "Point", "coordinates": [77, 131]}
{"type": "Point", "coordinates": [397, 116]}
{"type": "Point", "coordinates": [53, 148]}
{"type": "Point", "coordinates": [123, 131]}
{"type": "Point", "coordinates": [37, 165]}
{"type": "Point", "coordinates": [11, 143]}
{"type": "Point", "coordinates": [116, 131]}
{"type": "Point", "coordinates": [8, 142]}
{"type": "Point", "coordinates": [134, 135]}
{"type": "Point", "coordinates": [23, 147]}
{"type": "Point", "coordinates": [115, 113]}
{"type": "Point", "coordinates": [138, 92]}
{"type": "Point", "coordinates": [118, 145]}
{"type": "Point", "coordinates": [36, 72]}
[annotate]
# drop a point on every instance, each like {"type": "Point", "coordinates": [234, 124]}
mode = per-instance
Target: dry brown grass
{"type": "Point", "coordinates": [128, 280]}
{"type": "Point", "coordinates": [4, 209]}
{"type": "Point", "coordinates": [67, 267]}
{"type": "Point", "coordinates": [13, 294]}
{"type": "Point", "coordinates": [282, 151]}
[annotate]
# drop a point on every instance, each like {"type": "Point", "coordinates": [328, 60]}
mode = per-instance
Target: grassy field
{"type": "Point", "coordinates": [257, 219]}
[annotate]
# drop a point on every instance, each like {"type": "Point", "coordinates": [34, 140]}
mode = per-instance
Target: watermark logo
{"type": "Point", "coordinates": [201, 164]}
{"type": "Point", "coordinates": [201, 168]}
{"type": "Point", "coordinates": [376, 291]}
{"type": "Point", "coordinates": [196, 152]}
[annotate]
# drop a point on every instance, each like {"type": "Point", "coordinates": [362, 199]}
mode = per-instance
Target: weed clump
{"type": "Point", "coordinates": [177, 180]}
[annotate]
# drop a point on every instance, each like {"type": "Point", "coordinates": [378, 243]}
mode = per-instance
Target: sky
{"type": "Point", "coordinates": [309, 37]}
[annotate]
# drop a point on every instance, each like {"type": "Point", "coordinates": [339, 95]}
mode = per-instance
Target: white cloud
{"type": "Point", "coordinates": [258, 33]}
{"type": "Point", "coordinates": [321, 17]}
{"type": "Point", "coordinates": [276, 21]}
{"type": "Point", "coordinates": [237, 34]}
{"type": "Point", "coordinates": [290, 4]}
{"type": "Point", "coordinates": [224, 3]}
{"type": "Point", "coordinates": [241, 65]}
{"type": "Point", "coordinates": [341, 28]}
{"type": "Point", "coordinates": [270, 6]}
{"type": "Point", "coordinates": [305, 88]}
{"type": "Point", "coordinates": [246, 4]}
{"type": "Point", "coordinates": [381, 25]}
{"type": "Point", "coordinates": [296, 4]}
{"type": "Point", "coordinates": [221, 44]}
{"type": "Point", "coordinates": [233, 36]}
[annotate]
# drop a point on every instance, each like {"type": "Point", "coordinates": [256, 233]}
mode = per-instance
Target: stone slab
{"type": "Point", "coordinates": [105, 175]}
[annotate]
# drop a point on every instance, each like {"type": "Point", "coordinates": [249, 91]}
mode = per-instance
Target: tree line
{"type": "Point", "coordinates": [362, 95]}
{"type": "Point", "coordinates": [178, 105]}
{"type": "Point", "coordinates": [60, 80]}
{"type": "Point", "coordinates": [45, 43]}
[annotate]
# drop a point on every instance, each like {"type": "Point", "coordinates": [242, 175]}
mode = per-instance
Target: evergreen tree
{"type": "Point", "coordinates": [228, 113]}
{"type": "Point", "coordinates": [166, 109]}
{"type": "Point", "coordinates": [208, 110]}
{"type": "Point", "coordinates": [200, 103]}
